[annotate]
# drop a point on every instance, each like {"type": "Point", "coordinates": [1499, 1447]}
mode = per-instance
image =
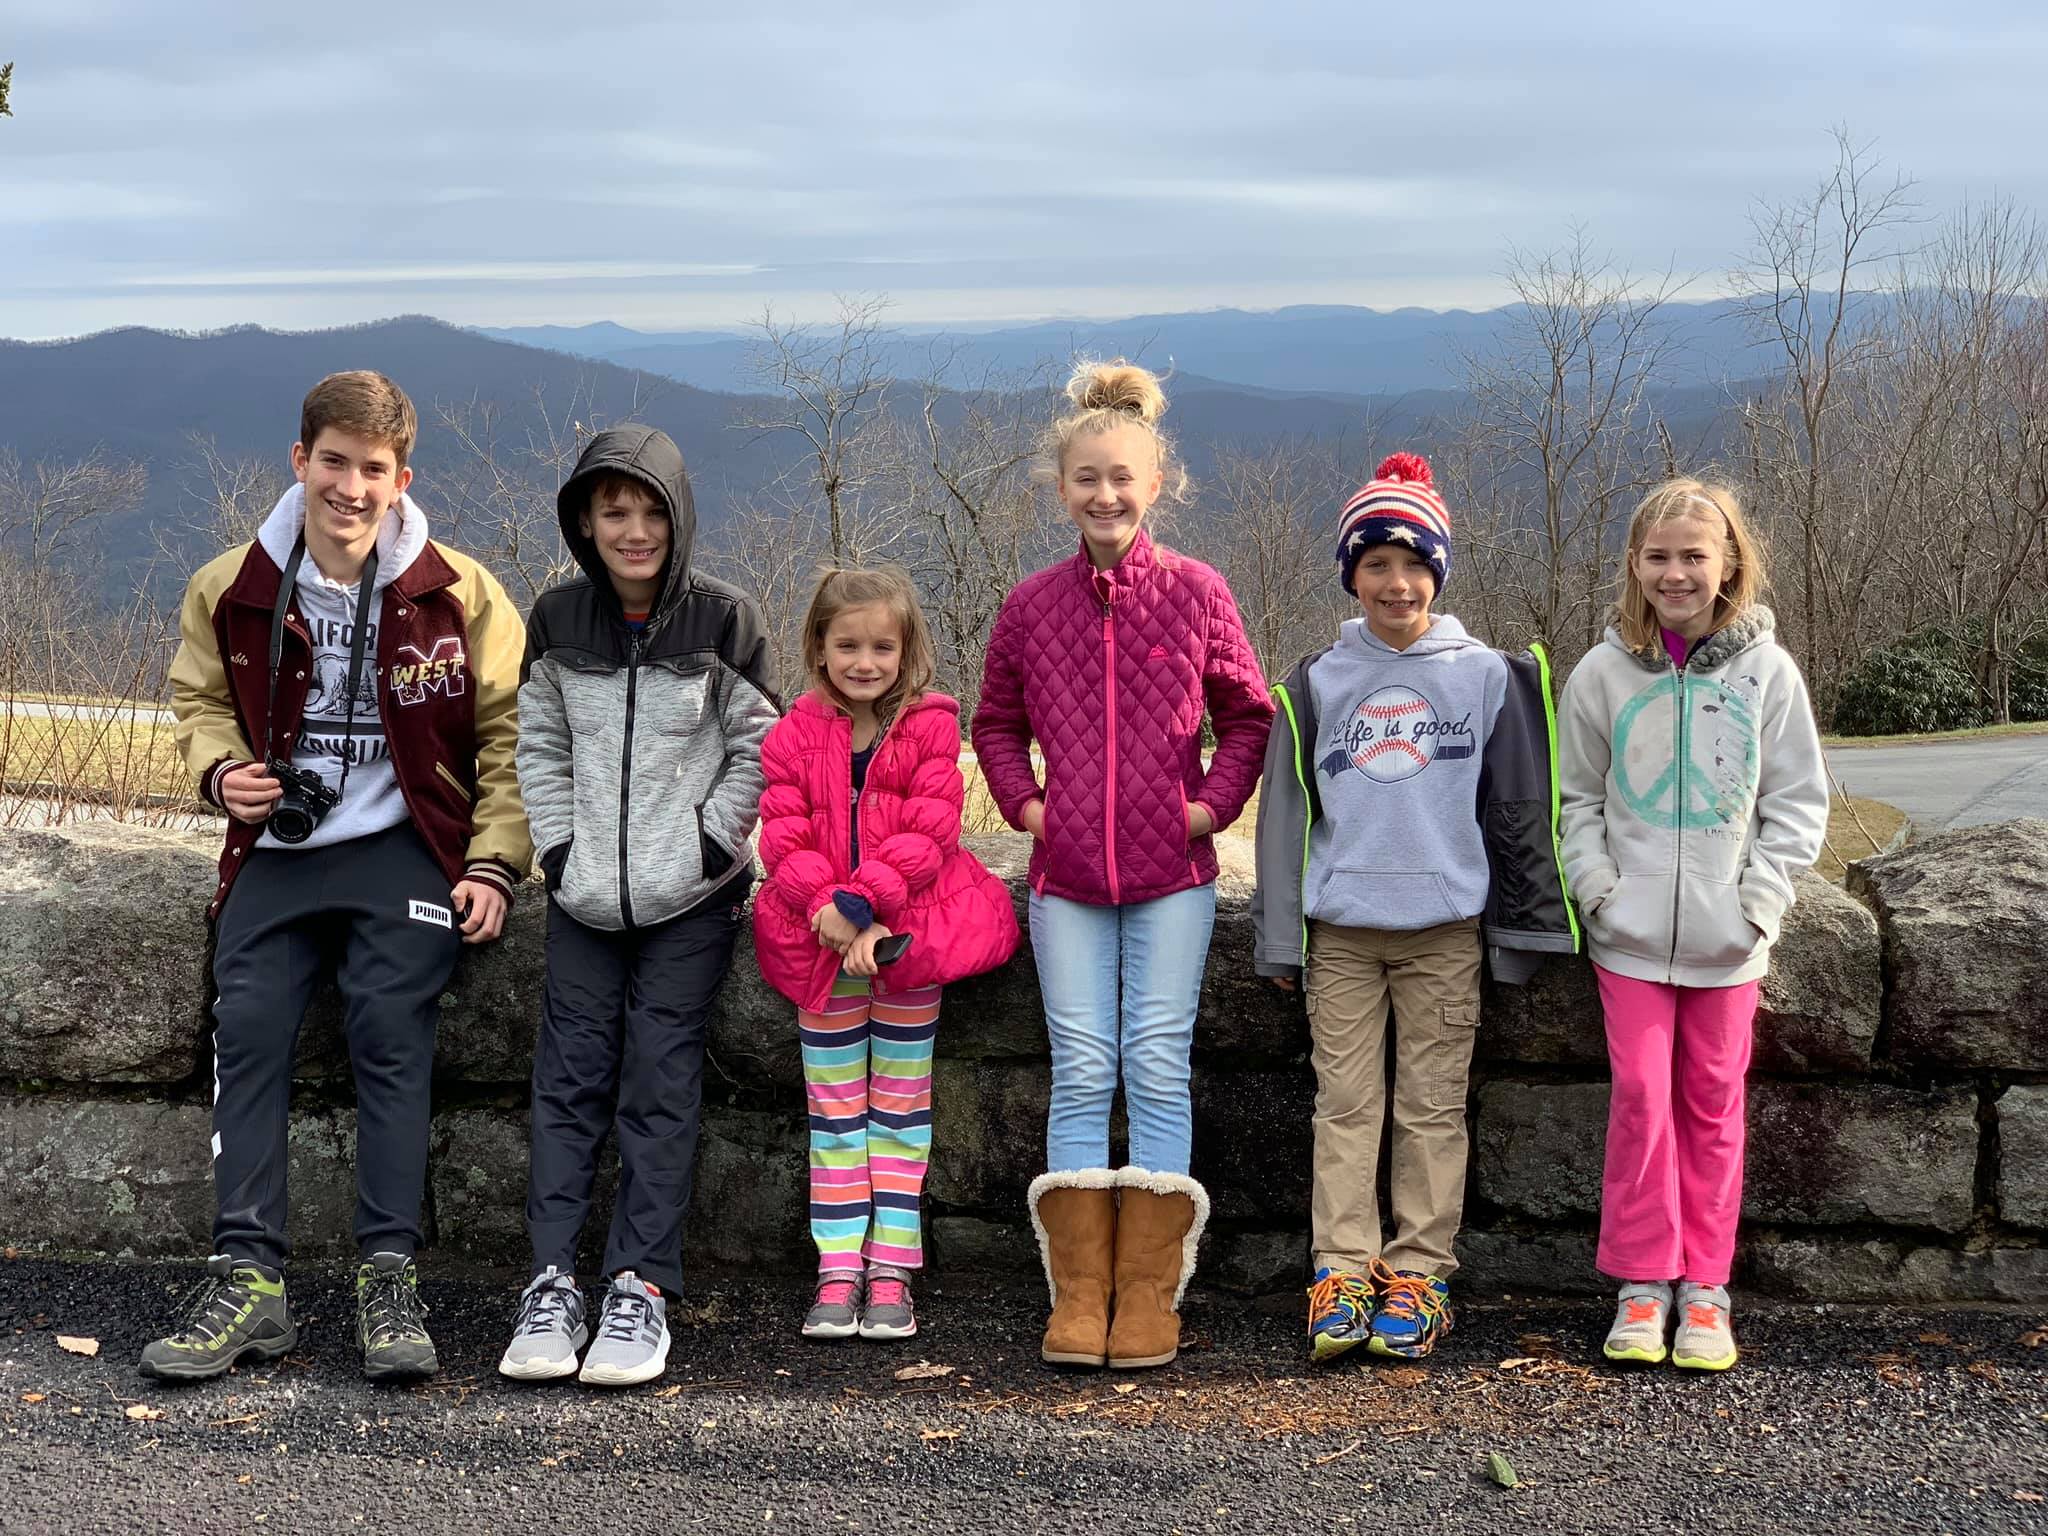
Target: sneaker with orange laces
{"type": "Point", "coordinates": [835, 1313]}
{"type": "Point", "coordinates": [1414, 1312]}
{"type": "Point", "coordinates": [1704, 1341]}
{"type": "Point", "coordinates": [1642, 1321]}
{"type": "Point", "coordinates": [1339, 1312]}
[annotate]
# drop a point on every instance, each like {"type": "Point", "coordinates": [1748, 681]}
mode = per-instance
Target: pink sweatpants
{"type": "Point", "coordinates": [1672, 1189]}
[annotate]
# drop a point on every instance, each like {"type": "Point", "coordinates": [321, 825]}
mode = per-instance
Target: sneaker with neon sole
{"type": "Point", "coordinates": [237, 1312]}
{"type": "Point", "coordinates": [1705, 1340]}
{"type": "Point", "coordinates": [1340, 1303]}
{"type": "Point", "coordinates": [1642, 1321]}
{"type": "Point", "coordinates": [1414, 1312]}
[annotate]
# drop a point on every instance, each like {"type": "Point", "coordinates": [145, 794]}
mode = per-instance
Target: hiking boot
{"type": "Point", "coordinates": [391, 1328]}
{"type": "Point", "coordinates": [887, 1311]}
{"type": "Point", "coordinates": [1642, 1318]}
{"type": "Point", "coordinates": [547, 1330]}
{"type": "Point", "coordinates": [1704, 1341]}
{"type": "Point", "coordinates": [237, 1311]}
{"type": "Point", "coordinates": [1414, 1312]}
{"type": "Point", "coordinates": [632, 1335]}
{"type": "Point", "coordinates": [1339, 1312]}
{"type": "Point", "coordinates": [835, 1313]}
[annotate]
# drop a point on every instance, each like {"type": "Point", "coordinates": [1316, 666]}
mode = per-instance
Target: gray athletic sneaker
{"type": "Point", "coordinates": [835, 1314]}
{"type": "Point", "coordinates": [1642, 1320]}
{"type": "Point", "coordinates": [887, 1313]}
{"type": "Point", "coordinates": [548, 1329]}
{"type": "Point", "coordinates": [1704, 1341]}
{"type": "Point", "coordinates": [632, 1335]}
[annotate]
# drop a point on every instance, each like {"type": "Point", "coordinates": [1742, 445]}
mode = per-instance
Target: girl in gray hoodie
{"type": "Point", "coordinates": [1693, 793]}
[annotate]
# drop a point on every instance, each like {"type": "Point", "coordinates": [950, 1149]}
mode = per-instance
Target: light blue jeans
{"type": "Point", "coordinates": [1120, 987]}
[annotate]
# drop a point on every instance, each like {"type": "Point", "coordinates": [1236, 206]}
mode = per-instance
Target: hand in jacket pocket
{"type": "Point", "coordinates": [552, 863]}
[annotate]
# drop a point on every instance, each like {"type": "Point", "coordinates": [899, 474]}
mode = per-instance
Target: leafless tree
{"type": "Point", "coordinates": [1810, 260]}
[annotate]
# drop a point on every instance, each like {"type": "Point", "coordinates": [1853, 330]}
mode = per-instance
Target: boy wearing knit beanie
{"type": "Point", "coordinates": [1407, 763]}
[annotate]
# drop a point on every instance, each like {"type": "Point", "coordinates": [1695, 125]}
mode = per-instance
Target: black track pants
{"type": "Point", "coordinates": [377, 910]}
{"type": "Point", "coordinates": [622, 1047]}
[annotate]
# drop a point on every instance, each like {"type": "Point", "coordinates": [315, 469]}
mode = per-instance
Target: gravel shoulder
{"type": "Point", "coordinates": [1839, 1419]}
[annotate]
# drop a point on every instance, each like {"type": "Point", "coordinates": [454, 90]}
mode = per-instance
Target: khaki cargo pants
{"type": "Point", "coordinates": [1432, 978]}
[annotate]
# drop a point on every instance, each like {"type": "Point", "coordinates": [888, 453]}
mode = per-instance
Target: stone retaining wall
{"type": "Point", "coordinates": [1898, 1115]}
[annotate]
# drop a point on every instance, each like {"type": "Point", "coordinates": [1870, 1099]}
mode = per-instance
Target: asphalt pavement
{"type": "Point", "coordinates": [1962, 783]}
{"type": "Point", "coordinates": [1838, 1419]}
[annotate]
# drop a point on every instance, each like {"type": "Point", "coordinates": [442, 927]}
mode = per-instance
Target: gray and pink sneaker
{"type": "Point", "coordinates": [835, 1313]}
{"type": "Point", "coordinates": [888, 1313]}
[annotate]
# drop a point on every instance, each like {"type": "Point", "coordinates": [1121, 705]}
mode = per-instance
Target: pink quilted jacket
{"type": "Point", "coordinates": [1111, 672]}
{"type": "Point", "coordinates": [912, 868]}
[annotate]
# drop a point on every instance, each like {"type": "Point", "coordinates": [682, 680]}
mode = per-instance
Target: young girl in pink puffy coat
{"type": "Point", "coordinates": [860, 836]}
{"type": "Point", "coordinates": [1110, 660]}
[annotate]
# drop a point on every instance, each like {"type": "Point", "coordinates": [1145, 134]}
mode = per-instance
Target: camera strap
{"type": "Point", "coordinates": [358, 640]}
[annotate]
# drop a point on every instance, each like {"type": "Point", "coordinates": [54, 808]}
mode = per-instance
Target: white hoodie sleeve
{"type": "Point", "coordinates": [1584, 752]}
{"type": "Point", "coordinates": [1791, 801]}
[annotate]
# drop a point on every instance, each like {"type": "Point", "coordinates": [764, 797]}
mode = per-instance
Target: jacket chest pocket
{"type": "Point", "coordinates": [674, 703]}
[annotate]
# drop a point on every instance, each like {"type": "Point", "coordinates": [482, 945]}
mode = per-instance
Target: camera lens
{"type": "Point", "coordinates": [290, 823]}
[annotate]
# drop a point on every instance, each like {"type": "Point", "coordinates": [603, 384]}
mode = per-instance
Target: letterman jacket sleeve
{"type": "Point", "coordinates": [500, 849]}
{"type": "Point", "coordinates": [208, 734]}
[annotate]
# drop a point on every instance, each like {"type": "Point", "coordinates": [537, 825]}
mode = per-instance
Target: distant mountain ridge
{"type": "Point", "coordinates": [1307, 348]}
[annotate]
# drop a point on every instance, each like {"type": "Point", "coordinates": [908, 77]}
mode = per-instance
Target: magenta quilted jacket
{"type": "Point", "coordinates": [1111, 671]}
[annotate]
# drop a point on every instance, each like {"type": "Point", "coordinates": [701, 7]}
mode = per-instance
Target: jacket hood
{"type": "Point", "coordinates": [1753, 626]}
{"type": "Point", "coordinates": [1444, 634]}
{"type": "Point", "coordinates": [649, 456]}
{"type": "Point", "coordinates": [399, 541]}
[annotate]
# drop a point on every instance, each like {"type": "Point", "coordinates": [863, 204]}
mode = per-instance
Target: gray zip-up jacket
{"type": "Point", "coordinates": [640, 751]}
{"type": "Point", "coordinates": [1691, 796]}
{"type": "Point", "coordinates": [1525, 912]}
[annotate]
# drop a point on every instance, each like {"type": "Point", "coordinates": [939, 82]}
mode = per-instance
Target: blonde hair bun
{"type": "Point", "coordinates": [1118, 386]}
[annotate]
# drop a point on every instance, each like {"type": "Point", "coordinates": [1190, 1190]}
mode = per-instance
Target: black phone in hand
{"type": "Point", "coordinates": [893, 948]}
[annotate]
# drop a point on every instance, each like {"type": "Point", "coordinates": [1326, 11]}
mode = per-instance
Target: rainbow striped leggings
{"type": "Point", "coordinates": [868, 1079]}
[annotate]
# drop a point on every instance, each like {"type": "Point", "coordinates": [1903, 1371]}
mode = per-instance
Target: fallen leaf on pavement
{"type": "Point", "coordinates": [1501, 1470]}
{"type": "Point", "coordinates": [670, 1391]}
{"type": "Point", "coordinates": [1126, 1388]}
{"type": "Point", "coordinates": [1984, 1369]}
{"type": "Point", "coordinates": [244, 1480]}
{"type": "Point", "coordinates": [143, 1411]}
{"type": "Point", "coordinates": [33, 1397]}
{"type": "Point", "coordinates": [1936, 1338]}
{"type": "Point", "coordinates": [2034, 1338]}
{"type": "Point", "coordinates": [938, 1434]}
{"type": "Point", "coordinates": [2022, 1496]}
{"type": "Point", "coordinates": [1405, 1376]}
{"type": "Point", "coordinates": [924, 1370]}
{"type": "Point", "coordinates": [1517, 1363]}
{"type": "Point", "coordinates": [72, 1344]}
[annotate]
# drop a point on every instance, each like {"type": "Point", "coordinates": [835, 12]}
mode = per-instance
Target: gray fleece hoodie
{"type": "Point", "coordinates": [1399, 744]}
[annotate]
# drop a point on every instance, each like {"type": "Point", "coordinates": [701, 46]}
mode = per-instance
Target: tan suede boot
{"type": "Point", "coordinates": [1160, 1217]}
{"type": "Point", "coordinates": [1074, 1215]}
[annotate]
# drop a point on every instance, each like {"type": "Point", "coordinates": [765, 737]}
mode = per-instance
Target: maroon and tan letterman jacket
{"type": "Point", "coordinates": [449, 643]}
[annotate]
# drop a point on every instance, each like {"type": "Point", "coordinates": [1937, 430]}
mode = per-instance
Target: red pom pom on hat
{"type": "Point", "coordinates": [1411, 468]}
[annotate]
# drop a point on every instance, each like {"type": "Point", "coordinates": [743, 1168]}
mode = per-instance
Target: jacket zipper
{"type": "Point", "coordinates": [1680, 759]}
{"type": "Point", "coordinates": [1109, 714]}
{"type": "Point", "coordinates": [626, 778]}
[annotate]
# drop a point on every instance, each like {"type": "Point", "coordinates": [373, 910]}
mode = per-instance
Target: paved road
{"type": "Point", "coordinates": [1951, 783]}
{"type": "Point", "coordinates": [1838, 1420]}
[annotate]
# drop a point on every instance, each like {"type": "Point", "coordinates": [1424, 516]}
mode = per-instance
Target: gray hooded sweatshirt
{"type": "Point", "coordinates": [1400, 739]}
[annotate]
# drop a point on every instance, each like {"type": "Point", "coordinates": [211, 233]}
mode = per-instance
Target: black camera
{"type": "Point", "coordinates": [303, 805]}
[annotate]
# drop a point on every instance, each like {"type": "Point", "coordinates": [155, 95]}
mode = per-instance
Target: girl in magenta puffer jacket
{"type": "Point", "coordinates": [860, 836]}
{"type": "Point", "coordinates": [1110, 661]}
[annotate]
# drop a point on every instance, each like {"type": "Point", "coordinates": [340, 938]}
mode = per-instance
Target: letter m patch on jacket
{"type": "Point", "coordinates": [443, 670]}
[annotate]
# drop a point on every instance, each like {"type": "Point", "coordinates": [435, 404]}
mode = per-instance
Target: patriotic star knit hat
{"type": "Point", "coordinates": [1399, 505]}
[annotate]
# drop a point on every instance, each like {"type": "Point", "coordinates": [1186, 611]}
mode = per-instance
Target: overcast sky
{"type": "Point", "coordinates": [504, 162]}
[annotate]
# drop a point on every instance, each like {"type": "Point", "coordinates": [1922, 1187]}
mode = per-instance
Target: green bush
{"type": "Point", "coordinates": [1913, 684]}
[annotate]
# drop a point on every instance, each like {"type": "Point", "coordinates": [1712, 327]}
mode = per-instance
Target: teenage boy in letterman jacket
{"type": "Point", "coordinates": [418, 856]}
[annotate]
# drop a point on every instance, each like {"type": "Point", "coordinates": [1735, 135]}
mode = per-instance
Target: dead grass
{"type": "Point", "coordinates": [105, 758]}
{"type": "Point", "coordinates": [1857, 828]}
{"type": "Point", "coordinates": [2023, 728]}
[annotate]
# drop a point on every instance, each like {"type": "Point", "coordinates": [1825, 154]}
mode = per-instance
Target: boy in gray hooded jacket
{"type": "Point", "coordinates": [1407, 796]}
{"type": "Point", "coordinates": [645, 702]}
